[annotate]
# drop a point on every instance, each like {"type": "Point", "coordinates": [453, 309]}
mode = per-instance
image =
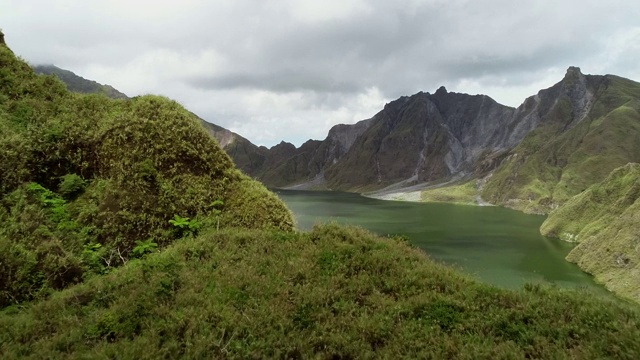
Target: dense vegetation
{"type": "Point", "coordinates": [335, 292]}
{"type": "Point", "coordinates": [87, 182]}
{"type": "Point", "coordinates": [125, 232]}
{"type": "Point", "coordinates": [604, 221]}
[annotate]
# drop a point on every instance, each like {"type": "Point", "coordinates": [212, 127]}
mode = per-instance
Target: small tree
{"type": "Point", "coordinates": [184, 226]}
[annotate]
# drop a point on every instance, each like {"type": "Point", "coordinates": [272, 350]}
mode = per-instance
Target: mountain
{"type": "Point", "coordinates": [246, 156]}
{"type": "Point", "coordinates": [532, 158]}
{"type": "Point", "coordinates": [77, 83]}
{"type": "Point", "coordinates": [417, 139]}
{"type": "Point", "coordinates": [604, 220]}
{"type": "Point", "coordinates": [588, 126]}
{"type": "Point", "coordinates": [426, 138]}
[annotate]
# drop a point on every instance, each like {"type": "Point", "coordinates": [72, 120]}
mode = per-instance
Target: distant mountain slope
{"type": "Point", "coordinates": [79, 84]}
{"type": "Point", "coordinates": [426, 138]}
{"type": "Point", "coordinates": [247, 156]}
{"type": "Point", "coordinates": [604, 221]}
{"type": "Point", "coordinates": [590, 125]}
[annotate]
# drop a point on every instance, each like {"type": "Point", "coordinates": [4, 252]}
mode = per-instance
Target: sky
{"type": "Point", "coordinates": [291, 69]}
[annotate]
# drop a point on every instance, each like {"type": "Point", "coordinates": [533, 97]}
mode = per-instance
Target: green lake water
{"type": "Point", "coordinates": [497, 245]}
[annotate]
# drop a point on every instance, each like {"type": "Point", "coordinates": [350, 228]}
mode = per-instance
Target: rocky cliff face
{"type": "Point", "coordinates": [248, 157]}
{"type": "Point", "coordinates": [285, 165]}
{"type": "Point", "coordinates": [585, 126]}
{"type": "Point", "coordinates": [423, 138]}
{"type": "Point", "coordinates": [435, 138]}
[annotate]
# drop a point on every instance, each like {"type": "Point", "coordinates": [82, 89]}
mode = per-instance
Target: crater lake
{"type": "Point", "coordinates": [494, 244]}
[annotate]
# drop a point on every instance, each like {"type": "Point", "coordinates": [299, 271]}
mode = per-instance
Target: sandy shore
{"type": "Point", "coordinates": [398, 196]}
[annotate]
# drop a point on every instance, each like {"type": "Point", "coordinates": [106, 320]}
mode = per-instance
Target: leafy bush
{"type": "Point", "coordinates": [71, 186]}
{"type": "Point", "coordinates": [183, 226]}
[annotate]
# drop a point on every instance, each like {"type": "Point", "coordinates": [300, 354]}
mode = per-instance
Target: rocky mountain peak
{"type": "Point", "coordinates": [573, 76]}
{"type": "Point", "coordinates": [441, 91]}
{"type": "Point", "coordinates": [573, 71]}
{"type": "Point", "coordinates": [575, 86]}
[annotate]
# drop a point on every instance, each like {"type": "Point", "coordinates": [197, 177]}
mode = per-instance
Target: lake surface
{"type": "Point", "coordinates": [497, 245]}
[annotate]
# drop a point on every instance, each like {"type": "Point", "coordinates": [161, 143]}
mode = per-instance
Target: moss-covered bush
{"type": "Point", "coordinates": [85, 179]}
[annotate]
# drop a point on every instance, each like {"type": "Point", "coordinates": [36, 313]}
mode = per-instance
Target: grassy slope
{"type": "Point", "coordinates": [604, 221]}
{"type": "Point", "coordinates": [466, 194]}
{"type": "Point", "coordinates": [87, 182]}
{"type": "Point", "coordinates": [551, 165]}
{"type": "Point", "coordinates": [335, 292]}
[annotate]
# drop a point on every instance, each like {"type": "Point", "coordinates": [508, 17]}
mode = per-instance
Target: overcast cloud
{"type": "Point", "coordinates": [289, 69]}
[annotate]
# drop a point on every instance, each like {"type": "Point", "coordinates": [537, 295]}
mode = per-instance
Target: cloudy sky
{"type": "Point", "coordinates": [275, 70]}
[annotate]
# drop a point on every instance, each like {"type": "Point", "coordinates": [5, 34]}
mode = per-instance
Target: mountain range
{"type": "Point", "coordinates": [532, 158]}
{"type": "Point", "coordinates": [79, 84]}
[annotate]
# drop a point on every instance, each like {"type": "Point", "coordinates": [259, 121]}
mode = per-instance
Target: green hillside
{"type": "Point", "coordinates": [560, 159]}
{"type": "Point", "coordinates": [335, 292]}
{"type": "Point", "coordinates": [604, 220]}
{"type": "Point", "coordinates": [87, 182]}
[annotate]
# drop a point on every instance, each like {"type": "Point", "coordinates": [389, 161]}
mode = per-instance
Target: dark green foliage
{"type": "Point", "coordinates": [86, 182]}
{"type": "Point", "coordinates": [143, 247]}
{"type": "Point", "coordinates": [335, 292]}
{"type": "Point", "coordinates": [71, 186]}
{"type": "Point", "coordinates": [184, 226]}
{"type": "Point", "coordinates": [39, 241]}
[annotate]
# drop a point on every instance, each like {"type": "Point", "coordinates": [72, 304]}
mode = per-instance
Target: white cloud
{"type": "Point", "coordinates": [288, 70]}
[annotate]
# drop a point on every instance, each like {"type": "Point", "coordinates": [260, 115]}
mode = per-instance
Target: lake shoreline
{"type": "Point", "coordinates": [480, 240]}
{"type": "Point", "coordinates": [416, 196]}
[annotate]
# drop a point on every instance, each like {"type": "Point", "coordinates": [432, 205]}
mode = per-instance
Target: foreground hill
{"type": "Point", "coordinates": [604, 220]}
{"type": "Point", "coordinates": [87, 182]}
{"type": "Point", "coordinates": [332, 293]}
